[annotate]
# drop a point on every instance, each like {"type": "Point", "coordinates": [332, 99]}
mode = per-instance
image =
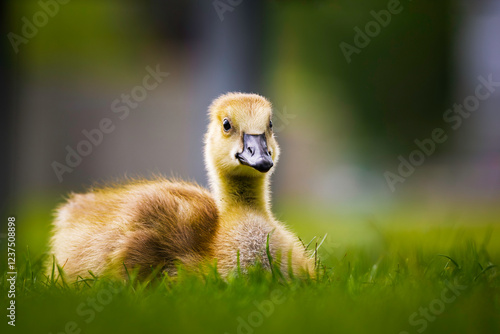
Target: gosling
{"type": "Point", "coordinates": [144, 225]}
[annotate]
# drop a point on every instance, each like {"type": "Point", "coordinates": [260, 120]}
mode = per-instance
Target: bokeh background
{"type": "Point", "coordinates": [341, 124]}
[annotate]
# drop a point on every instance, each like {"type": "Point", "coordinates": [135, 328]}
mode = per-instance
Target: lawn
{"type": "Point", "coordinates": [398, 276]}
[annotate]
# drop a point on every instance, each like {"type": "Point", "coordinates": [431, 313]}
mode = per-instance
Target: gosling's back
{"type": "Point", "coordinates": [143, 224]}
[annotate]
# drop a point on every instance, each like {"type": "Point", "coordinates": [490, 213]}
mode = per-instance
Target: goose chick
{"type": "Point", "coordinates": [241, 153]}
{"type": "Point", "coordinates": [149, 224]}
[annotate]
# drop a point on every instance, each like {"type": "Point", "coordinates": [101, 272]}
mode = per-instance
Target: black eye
{"type": "Point", "coordinates": [226, 124]}
{"type": "Point", "coordinates": [270, 124]}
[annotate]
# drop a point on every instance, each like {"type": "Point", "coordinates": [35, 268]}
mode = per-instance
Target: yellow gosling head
{"type": "Point", "coordinates": [240, 139]}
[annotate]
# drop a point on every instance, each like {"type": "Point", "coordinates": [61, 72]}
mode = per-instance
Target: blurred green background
{"type": "Point", "coordinates": [341, 124]}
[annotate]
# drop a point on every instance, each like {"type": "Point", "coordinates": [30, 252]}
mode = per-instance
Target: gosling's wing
{"type": "Point", "coordinates": [143, 223]}
{"type": "Point", "coordinates": [174, 222]}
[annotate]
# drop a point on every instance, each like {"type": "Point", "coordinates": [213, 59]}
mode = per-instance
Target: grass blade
{"type": "Point", "coordinates": [449, 258]}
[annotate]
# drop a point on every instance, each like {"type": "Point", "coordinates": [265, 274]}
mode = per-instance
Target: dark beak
{"type": "Point", "coordinates": [255, 153]}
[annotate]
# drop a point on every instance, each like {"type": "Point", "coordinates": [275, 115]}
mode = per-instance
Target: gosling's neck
{"type": "Point", "coordinates": [238, 195]}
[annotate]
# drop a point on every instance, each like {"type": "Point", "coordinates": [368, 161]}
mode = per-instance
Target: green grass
{"type": "Point", "coordinates": [381, 280]}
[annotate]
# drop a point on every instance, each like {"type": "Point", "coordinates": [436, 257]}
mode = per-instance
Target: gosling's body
{"type": "Point", "coordinates": [151, 224]}
{"type": "Point", "coordinates": [142, 224]}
